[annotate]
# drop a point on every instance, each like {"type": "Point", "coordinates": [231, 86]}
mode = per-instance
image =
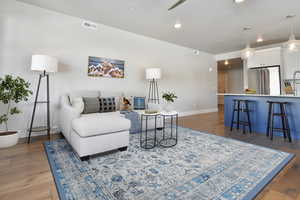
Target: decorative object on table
{"type": "Point", "coordinates": [240, 172]}
{"type": "Point", "coordinates": [106, 67]}
{"type": "Point", "coordinates": [107, 104]}
{"type": "Point", "coordinates": [153, 74]}
{"type": "Point", "coordinates": [169, 97]}
{"type": "Point", "coordinates": [250, 91]}
{"type": "Point", "coordinates": [170, 134]}
{"type": "Point", "coordinates": [45, 64]}
{"type": "Point", "coordinates": [139, 103]}
{"type": "Point", "coordinates": [151, 111]}
{"type": "Point", "coordinates": [12, 91]}
{"type": "Point", "coordinates": [125, 103]}
{"type": "Point", "coordinates": [147, 137]}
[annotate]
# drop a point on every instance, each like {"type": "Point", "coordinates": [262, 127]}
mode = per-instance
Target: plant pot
{"type": "Point", "coordinates": [8, 139]}
{"type": "Point", "coordinates": [169, 107]}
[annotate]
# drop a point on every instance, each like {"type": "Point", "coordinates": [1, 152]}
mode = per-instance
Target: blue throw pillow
{"type": "Point", "coordinates": [139, 103]}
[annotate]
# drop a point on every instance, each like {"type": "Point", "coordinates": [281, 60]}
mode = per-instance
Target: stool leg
{"type": "Point", "coordinates": [269, 119]}
{"type": "Point", "coordinates": [238, 116]}
{"type": "Point", "coordinates": [272, 122]}
{"type": "Point", "coordinates": [232, 117]}
{"type": "Point", "coordinates": [287, 125]}
{"type": "Point", "coordinates": [248, 117]}
{"type": "Point", "coordinates": [243, 111]}
{"type": "Point", "coordinates": [283, 121]}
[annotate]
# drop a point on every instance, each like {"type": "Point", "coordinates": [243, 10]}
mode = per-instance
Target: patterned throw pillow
{"type": "Point", "coordinates": [139, 103]}
{"type": "Point", "coordinates": [107, 104]}
{"type": "Point", "coordinates": [125, 104]}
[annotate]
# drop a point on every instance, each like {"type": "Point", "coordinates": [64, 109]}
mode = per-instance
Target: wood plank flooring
{"type": "Point", "coordinates": [25, 173]}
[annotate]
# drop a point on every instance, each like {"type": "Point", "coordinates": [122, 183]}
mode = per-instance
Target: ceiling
{"type": "Point", "coordinates": [214, 26]}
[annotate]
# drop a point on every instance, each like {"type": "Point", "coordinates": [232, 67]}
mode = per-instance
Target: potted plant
{"type": "Point", "coordinates": [169, 97]}
{"type": "Point", "coordinates": [12, 91]}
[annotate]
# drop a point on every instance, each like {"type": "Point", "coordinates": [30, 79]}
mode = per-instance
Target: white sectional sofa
{"type": "Point", "coordinates": [95, 133]}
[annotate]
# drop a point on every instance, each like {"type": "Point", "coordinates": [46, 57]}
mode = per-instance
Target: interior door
{"type": "Point", "coordinates": [222, 84]}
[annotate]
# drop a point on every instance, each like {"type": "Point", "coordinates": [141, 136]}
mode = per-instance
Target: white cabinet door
{"type": "Point", "coordinates": [291, 63]}
{"type": "Point", "coordinates": [265, 58]}
{"type": "Point", "coordinates": [271, 57]}
{"type": "Point", "coordinates": [252, 62]}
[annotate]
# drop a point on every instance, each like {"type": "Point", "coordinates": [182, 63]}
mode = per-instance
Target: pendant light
{"type": "Point", "coordinates": [248, 51]}
{"type": "Point", "coordinates": [292, 44]}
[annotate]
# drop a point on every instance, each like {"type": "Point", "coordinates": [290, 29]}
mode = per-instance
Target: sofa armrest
{"type": "Point", "coordinates": [67, 115]}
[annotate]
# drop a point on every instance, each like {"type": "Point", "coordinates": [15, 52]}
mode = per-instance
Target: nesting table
{"type": "Point", "coordinates": [149, 138]}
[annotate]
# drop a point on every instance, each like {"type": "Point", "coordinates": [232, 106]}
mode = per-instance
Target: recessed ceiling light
{"type": "Point", "coordinates": [260, 39]}
{"type": "Point", "coordinates": [226, 62]}
{"type": "Point", "coordinates": [238, 1]}
{"type": "Point", "coordinates": [177, 25]}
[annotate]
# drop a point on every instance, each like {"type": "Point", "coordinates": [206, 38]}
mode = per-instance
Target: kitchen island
{"type": "Point", "coordinates": [259, 111]}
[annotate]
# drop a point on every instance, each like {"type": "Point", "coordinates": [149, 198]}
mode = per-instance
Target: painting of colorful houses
{"type": "Point", "coordinates": [105, 67]}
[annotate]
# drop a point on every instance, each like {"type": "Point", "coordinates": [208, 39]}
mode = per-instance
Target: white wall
{"type": "Point", "coordinates": [27, 30]}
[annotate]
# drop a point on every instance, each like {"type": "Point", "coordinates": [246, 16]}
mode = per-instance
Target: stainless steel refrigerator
{"type": "Point", "coordinates": [265, 80]}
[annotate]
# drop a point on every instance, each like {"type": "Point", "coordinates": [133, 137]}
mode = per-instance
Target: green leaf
{"type": "Point", "coordinates": [14, 110]}
{"type": "Point", "coordinates": [3, 118]}
{"type": "Point", "coordinates": [169, 96]}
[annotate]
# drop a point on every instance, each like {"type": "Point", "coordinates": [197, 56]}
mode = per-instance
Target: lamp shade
{"type": "Point", "coordinates": [43, 63]}
{"type": "Point", "coordinates": [153, 73]}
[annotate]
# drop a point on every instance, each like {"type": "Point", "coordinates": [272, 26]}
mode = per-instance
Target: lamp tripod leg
{"type": "Point", "coordinates": [34, 109]}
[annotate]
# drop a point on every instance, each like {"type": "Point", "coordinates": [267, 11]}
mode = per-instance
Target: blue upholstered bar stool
{"type": "Point", "coordinates": [241, 106]}
{"type": "Point", "coordinates": [284, 120]}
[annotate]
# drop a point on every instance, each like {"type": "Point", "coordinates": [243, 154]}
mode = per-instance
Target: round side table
{"type": "Point", "coordinates": [170, 135]}
{"type": "Point", "coordinates": [146, 141]}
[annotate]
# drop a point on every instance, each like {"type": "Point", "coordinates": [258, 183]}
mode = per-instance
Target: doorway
{"type": "Point", "coordinates": [230, 78]}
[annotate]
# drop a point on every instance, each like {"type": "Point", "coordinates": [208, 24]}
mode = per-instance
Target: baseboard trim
{"type": "Point", "coordinates": [24, 133]}
{"type": "Point", "coordinates": [196, 112]}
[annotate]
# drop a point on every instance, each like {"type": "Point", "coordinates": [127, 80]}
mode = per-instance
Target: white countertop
{"type": "Point", "coordinates": [258, 95]}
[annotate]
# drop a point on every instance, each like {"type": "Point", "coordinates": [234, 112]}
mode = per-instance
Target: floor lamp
{"type": "Point", "coordinates": [153, 74]}
{"type": "Point", "coordinates": [45, 65]}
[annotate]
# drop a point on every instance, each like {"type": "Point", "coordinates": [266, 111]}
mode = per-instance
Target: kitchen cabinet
{"type": "Point", "coordinates": [265, 58]}
{"type": "Point", "coordinates": [291, 63]}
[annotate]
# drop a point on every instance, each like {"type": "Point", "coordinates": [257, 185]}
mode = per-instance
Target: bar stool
{"type": "Point", "coordinates": [241, 106]}
{"type": "Point", "coordinates": [284, 120]}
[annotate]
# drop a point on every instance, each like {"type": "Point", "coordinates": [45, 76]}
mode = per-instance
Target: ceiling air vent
{"type": "Point", "coordinates": [90, 25]}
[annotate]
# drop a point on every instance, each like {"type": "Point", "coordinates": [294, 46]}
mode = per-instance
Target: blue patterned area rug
{"type": "Point", "coordinates": [202, 166]}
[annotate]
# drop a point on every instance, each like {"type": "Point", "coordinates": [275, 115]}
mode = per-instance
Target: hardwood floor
{"type": "Point", "coordinates": [25, 173]}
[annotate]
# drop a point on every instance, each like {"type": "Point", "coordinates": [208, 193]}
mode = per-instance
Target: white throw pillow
{"type": "Point", "coordinates": [87, 93]}
{"type": "Point", "coordinates": [78, 104]}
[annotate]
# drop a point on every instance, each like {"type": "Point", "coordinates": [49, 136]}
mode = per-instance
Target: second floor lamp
{"type": "Point", "coordinates": [153, 74]}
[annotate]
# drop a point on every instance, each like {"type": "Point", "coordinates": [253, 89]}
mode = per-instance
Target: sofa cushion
{"type": "Point", "coordinates": [91, 105]}
{"type": "Point", "coordinates": [108, 114]}
{"type": "Point", "coordinates": [117, 96]}
{"type": "Point", "coordinates": [107, 104]}
{"type": "Point", "coordinates": [97, 124]}
{"type": "Point", "coordinates": [85, 93]}
{"type": "Point", "coordinates": [78, 104]}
